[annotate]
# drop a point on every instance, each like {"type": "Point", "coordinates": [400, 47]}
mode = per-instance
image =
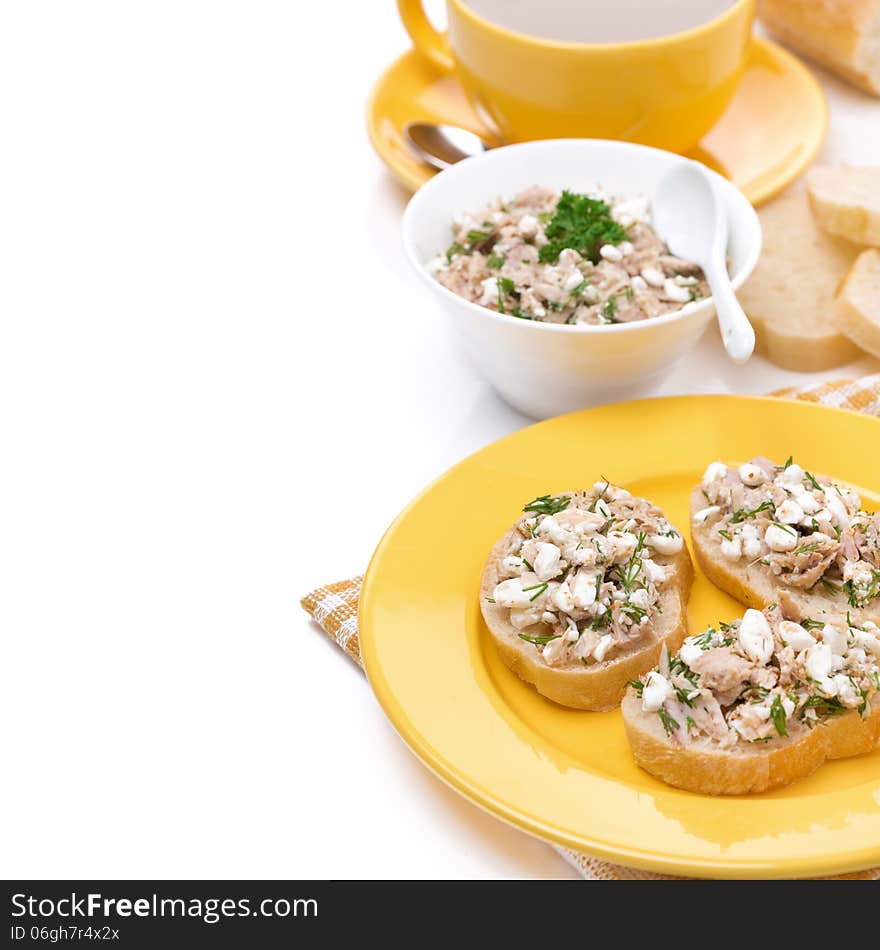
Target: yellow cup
{"type": "Point", "coordinates": [666, 91]}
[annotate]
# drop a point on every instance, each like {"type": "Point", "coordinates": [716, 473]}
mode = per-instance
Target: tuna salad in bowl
{"type": "Point", "coordinates": [578, 259]}
{"type": "Point", "coordinates": [545, 261]}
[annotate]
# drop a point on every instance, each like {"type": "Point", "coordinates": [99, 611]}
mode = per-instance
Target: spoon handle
{"type": "Point", "coordinates": [736, 331]}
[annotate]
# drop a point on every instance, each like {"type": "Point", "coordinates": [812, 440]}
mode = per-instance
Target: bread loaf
{"type": "Point", "coordinates": [843, 35]}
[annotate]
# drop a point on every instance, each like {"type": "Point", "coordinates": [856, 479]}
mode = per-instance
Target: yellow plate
{"type": "Point", "coordinates": [565, 775]}
{"type": "Point", "coordinates": [769, 134]}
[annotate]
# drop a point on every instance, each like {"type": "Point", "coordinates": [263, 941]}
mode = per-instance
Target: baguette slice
{"type": "Point", "coordinates": [701, 766]}
{"type": "Point", "coordinates": [846, 201]}
{"type": "Point", "coordinates": [755, 586]}
{"type": "Point", "coordinates": [858, 302]}
{"type": "Point", "coordinates": [843, 35]}
{"type": "Point", "coordinates": [790, 296]}
{"type": "Point", "coordinates": [601, 686]}
{"type": "Point", "coordinates": [757, 703]}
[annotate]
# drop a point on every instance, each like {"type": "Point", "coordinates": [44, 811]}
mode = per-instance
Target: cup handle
{"type": "Point", "coordinates": [430, 43]}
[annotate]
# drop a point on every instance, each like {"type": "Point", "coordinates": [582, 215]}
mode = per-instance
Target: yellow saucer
{"type": "Point", "coordinates": [767, 137]}
{"type": "Point", "coordinates": [565, 775]}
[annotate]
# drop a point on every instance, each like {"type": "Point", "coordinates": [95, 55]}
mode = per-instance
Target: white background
{"type": "Point", "coordinates": [219, 383]}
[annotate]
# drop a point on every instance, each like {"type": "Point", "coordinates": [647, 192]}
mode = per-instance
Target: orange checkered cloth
{"type": "Point", "coordinates": [334, 608]}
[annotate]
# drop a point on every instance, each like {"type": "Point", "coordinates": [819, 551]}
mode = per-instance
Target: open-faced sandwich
{"type": "Point", "coordinates": [758, 703]}
{"type": "Point", "coordinates": [583, 591]}
{"type": "Point", "coordinates": [763, 531]}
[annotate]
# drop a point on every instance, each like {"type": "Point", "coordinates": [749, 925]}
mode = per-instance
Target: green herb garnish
{"type": "Point", "coordinates": [601, 495]}
{"type": "Point", "coordinates": [669, 724]}
{"type": "Point", "coordinates": [852, 592]}
{"type": "Point", "coordinates": [634, 612]}
{"type": "Point", "coordinates": [852, 595]}
{"type": "Point", "coordinates": [505, 286]}
{"type": "Point", "coordinates": [583, 224]}
{"type": "Point", "coordinates": [629, 572]}
{"type": "Point", "coordinates": [547, 505]}
{"type": "Point", "coordinates": [609, 309]}
{"type": "Point", "coordinates": [638, 686]}
{"type": "Point", "coordinates": [598, 623]}
{"type": "Point", "coordinates": [704, 640]}
{"type": "Point", "coordinates": [677, 667]}
{"type": "Point", "coordinates": [777, 714]}
{"type": "Point", "coordinates": [452, 250]}
{"type": "Point", "coordinates": [495, 261]}
{"type": "Point", "coordinates": [824, 707]}
{"type": "Point", "coordinates": [538, 641]}
{"type": "Point", "coordinates": [478, 237]}
{"type": "Point", "coordinates": [538, 589]}
{"type": "Point", "coordinates": [784, 527]}
{"type": "Point", "coordinates": [742, 514]}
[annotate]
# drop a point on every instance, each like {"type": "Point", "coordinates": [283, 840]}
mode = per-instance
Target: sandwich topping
{"type": "Point", "coordinates": [567, 258]}
{"type": "Point", "coordinates": [811, 533]}
{"type": "Point", "coordinates": [762, 677]}
{"type": "Point", "coordinates": [583, 574]}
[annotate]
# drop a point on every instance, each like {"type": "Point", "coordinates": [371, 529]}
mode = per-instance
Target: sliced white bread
{"type": "Point", "coordinates": [702, 766]}
{"type": "Point", "coordinates": [790, 296]}
{"type": "Point", "coordinates": [843, 35]}
{"type": "Point", "coordinates": [753, 584]}
{"type": "Point", "coordinates": [846, 201]}
{"type": "Point", "coordinates": [600, 686]}
{"type": "Point", "coordinates": [858, 302]}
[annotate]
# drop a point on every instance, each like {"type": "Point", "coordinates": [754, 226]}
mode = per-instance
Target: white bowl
{"type": "Point", "coordinates": [544, 369]}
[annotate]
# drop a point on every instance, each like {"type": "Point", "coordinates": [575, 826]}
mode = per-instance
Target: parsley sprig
{"type": "Point", "coordinates": [583, 224]}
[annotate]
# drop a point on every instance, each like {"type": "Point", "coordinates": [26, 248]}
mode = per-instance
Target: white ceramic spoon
{"type": "Point", "coordinates": [692, 220]}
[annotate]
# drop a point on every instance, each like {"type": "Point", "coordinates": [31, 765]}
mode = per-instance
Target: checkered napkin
{"type": "Point", "coordinates": [334, 607]}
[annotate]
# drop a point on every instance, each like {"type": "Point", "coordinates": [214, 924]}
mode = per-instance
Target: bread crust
{"type": "Point", "coordinates": [598, 687]}
{"type": "Point", "coordinates": [746, 768]}
{"type": "Point", "coordinates": [754, 585]}
{"type": "Point", "coordinates": [839, 34]}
